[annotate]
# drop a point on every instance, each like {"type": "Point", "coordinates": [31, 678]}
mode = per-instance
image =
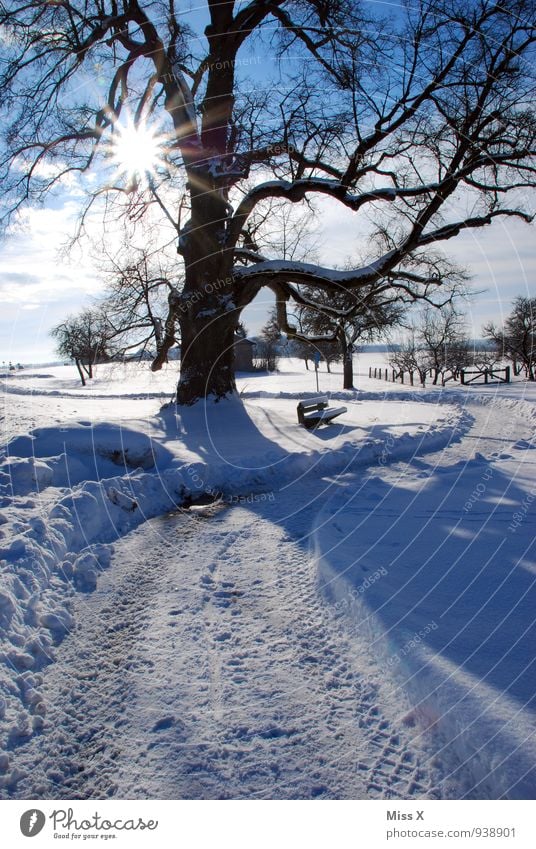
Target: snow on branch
{"type": "Point", "coordinates": [296, 191]}
{"type": "Point", "coordinates": [283, 271]}
{"type": "Point", "coordinates": [450, 230]}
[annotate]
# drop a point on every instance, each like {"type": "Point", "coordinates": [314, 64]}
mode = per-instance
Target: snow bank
{"type": "Point", "coordinates": [71, 454]}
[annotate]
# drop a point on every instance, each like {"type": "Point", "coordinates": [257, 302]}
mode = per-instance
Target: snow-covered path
{"type": "Point", "coordinates": [207, 664]}
{"type": "Point", "coordinates": [200, 671]}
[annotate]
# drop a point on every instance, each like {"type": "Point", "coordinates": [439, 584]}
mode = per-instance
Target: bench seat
{"type": "Point", "coordinates": [315, 411]}
{"type": "Point", "coordinates": [330, 413]}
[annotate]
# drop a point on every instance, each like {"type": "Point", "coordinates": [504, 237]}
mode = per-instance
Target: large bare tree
{"type": "Point", "coordinates": [421, 122]}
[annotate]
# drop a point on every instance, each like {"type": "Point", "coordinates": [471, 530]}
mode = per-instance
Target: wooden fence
{"type": "Point", "coordinates": [466, 377]}
{"type": "Point", "coordinates": [391, 374]}
{"type": "Point", "coordinates": [488, 374]}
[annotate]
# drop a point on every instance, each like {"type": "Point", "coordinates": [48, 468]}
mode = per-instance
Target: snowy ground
{"type": "Point", "coordinates": [352, 617]}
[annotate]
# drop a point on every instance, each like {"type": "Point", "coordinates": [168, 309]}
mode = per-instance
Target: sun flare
{"type": "Point", "coordinates": [137, 151]}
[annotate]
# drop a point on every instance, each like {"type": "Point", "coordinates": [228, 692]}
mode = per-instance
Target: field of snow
{"type": "Point", "coordinates": [351, 616]}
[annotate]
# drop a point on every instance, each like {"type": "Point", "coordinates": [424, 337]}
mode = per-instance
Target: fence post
{"type": "Point", "coordinates": [370, 371]}
{"type": "Point", "coordinates": [462, 377]}
{"type": "Point", "coordinates": [386, 375]}
{"type": "Point", "coordinates": [485, 375]}
{"type": "Point", "coordinates": [401, 377]}
{"type": "Point", "coordinates": [507, 374]}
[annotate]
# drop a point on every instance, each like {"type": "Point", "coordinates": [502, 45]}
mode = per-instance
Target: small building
{"type": "Point", "coordinates": [243, 354]}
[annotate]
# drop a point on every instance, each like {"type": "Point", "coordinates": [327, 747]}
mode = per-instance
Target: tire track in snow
{"type": "Point", "coordinates": [87, 689]}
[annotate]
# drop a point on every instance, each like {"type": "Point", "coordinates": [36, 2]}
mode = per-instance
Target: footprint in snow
{"type": "Point", "coordinates": [164, 723]}
{"type": "Point", "coordinates": [207, 580]}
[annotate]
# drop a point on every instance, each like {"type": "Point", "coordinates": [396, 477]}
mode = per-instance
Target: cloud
{"type": "Point", "coordinates": [17, 278]}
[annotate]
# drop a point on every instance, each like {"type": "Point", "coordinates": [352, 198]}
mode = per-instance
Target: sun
{"type": "Point", "coordinates": [137, 151]}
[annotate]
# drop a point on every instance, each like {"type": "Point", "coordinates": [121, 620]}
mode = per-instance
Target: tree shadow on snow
{"type": "Point", "coordinates": [438, 574]}
{"type": "Point", "coordinates": [434, 571]}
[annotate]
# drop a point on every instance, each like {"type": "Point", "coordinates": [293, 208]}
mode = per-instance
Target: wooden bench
{"type": "Point", "coordinates": [315, 411]}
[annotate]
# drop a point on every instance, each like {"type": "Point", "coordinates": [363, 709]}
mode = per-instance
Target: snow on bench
{"type": "Point", "coordinates": [314, 411]}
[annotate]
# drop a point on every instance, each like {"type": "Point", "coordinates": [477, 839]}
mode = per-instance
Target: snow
{"type": "Point", "coordinates": [307, 270]}
{"type": "Point", "coordinates": [350, 617]}
{"type": "Point", "coordinates": [446, 541]}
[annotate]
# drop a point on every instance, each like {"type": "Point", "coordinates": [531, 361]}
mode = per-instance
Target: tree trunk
{"type": "Point", "coordinates": [347, 362]}
{"type": "Point", "coordinates": [206, 311]}
{"type": "Point", "coordinates": [80, 372]}
{"type": "Point", "coordinates": [207, 347]}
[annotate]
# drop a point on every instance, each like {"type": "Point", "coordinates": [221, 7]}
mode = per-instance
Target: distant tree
{"type": "Point", "coordinates": [486, 356]}
{"type": "Point", "coordinates": [302, 349]}
{"type": "Point", "coordinates": [267, 344]}
{"type": "Point", "coordinates": [459, 355]}
{"type": "Point", "coordinates": [330, 352]}
{"type": "Point", "coordinates": [517, 339]}
{"type": "Point", "coordinates": [441, 336]}
{"type": "Point", "coordinates": [409, 357]}
{"type": "Point", "coordinates": [138, 290]}
{"type": "Point", "coordinates": [436, 343]}
{"type": "Point", "coordinates": [84, 338]}
{"type": "Point", "coordinates": [346, 319]}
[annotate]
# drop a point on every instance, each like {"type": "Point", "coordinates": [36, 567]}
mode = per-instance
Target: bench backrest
{"type": "Point", "coordinates": [314, 403]}
{"type": "Point", "coordinates": [309, 405]}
